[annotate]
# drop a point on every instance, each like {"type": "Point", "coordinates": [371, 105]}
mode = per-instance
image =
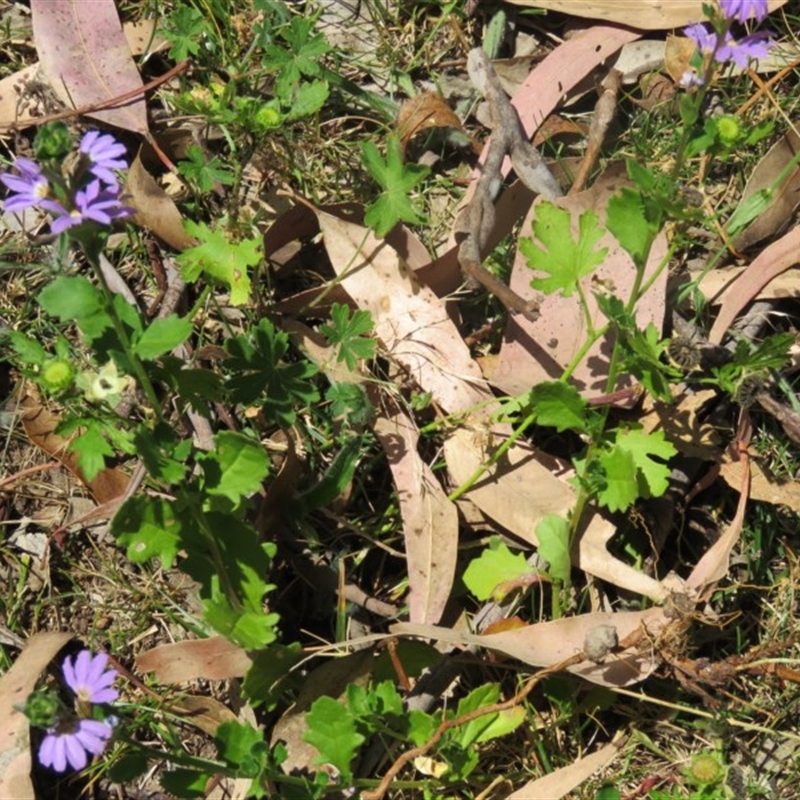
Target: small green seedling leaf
{"type": "Point", "coordinates": [335, 480]}
{"type": "Point", "coordinates": [346, 332]}
{"type": "Point", "coordinates": [161, 336]}
{"type": "Point", "coordinates": [563, 258]}
{"type": "Point", "coordinates": [497, 565]}
{"type": "Point", "coordinates": [332, 730]}
{"type": "Point", "coordinates": [397, 180]}
{"type": "Point", "coordinates": [558, 405]}
{"type": "Point", "coordinates": [553, 535]}
{"type": "Point", "coordinates": [220, 259]}
{"type": "Point", "coordinates": [204, 172]}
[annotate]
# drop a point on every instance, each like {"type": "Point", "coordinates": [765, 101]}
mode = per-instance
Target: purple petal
{"type": "Point", "coordinates": [68, 670]}
{"type": "Point", "coordinates": [63, 223]}
{"type": "Point", "coordinates": [76, 755]}
{"type": "Point", "coordinates": [29, 169]}
{"type": "Point", "coordinates": [93, 735]}
{"type": "Point", "coordinates": [96, 667]}
{"type": "Point", "coordinates": [51, 753]}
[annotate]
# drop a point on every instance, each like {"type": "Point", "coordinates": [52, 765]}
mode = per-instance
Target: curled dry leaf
{"type": "Point", "coordinates": [155, 210]}
{"type": "Point", "coordinates": [785, 196]}
{"type": "Point", "coordinates": [15, 686]}
{"type": "Point", "coordinates": [85, 56]}
{"type": "Point", "coordinates": [643, 14]}
{"type": "Point", "coordinates": [211, 659]}
{"type": "Point", "coordinates": [430, 520]}
{"type": "Point", "coordinates": [423, 112]}
{"type": "Point", "coordinates": [546, 643]}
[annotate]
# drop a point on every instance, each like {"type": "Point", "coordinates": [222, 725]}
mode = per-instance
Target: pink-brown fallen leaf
{"type": "Point", "coordinates": [561, 782]}
{"type": "Point", "coordinates": [40, 425]}
{"type": "Point", "coordinates": [713, 565]}
{"type": "Point", "coordinates": [430, 520]}
{"type": "Point", "coordinates": [213, 659]}
{"type": "Point", "coordinates": [546, 643]}
{"type": "Point", "coordinates": [533, 352]}
{"type": "Point", "coordinates": [716, 283]}
{"type": "Point", "coordinates": [410, 321]}
{"type": "Point", "coordinates": [155, 209]}
{"type": "Point", "coordinates": [642, 14]}
{"type": "Point", "coordinates": [86, 58]}
{"type": "Point", "coordinates": [771, 262]}
{"type": "Point", "coordinates": [785, 196]}
{"type": "Point", "coordinates": [205, 713]}
{"type": "Point", "coordinates": [15, 686]}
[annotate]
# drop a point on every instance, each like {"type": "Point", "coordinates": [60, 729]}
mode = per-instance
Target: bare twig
{"type": "Point", "coordinates": [476, 222]}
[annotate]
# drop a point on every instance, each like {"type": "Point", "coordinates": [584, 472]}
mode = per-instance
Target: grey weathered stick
{"type": "Point", "coordinates": [475, 223]}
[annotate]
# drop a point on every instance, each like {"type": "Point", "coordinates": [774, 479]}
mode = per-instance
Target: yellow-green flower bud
{"type": "Point", "coordinates": [56, 375]}
{"type": "Point", "coordinates": [728, 129]}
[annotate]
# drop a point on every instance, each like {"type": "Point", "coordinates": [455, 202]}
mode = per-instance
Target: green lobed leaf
{"type": "Point", "coordinates": [161, 336]}
{"type": "Point", "coordinates": [558, 405]}
{"type": "Point", "coordinates": [220, 259]}
{"type": "Point", "coordinates": [397, 180]}
{"type": "Point", "coordinates": [620, 486]}
{"type": "Point", "coordinates": [563, 258]}
{"type": "Point", "coordinates": [92, 449]}
{"type": "Point", "coordinates": [243, 748]}
{"type": "Point", "coordinates": [309, 97]}
{"type": "Point", "coordinates": [149, 527]}
{"type": "Point", "coordinates": [466, 735]}
{"type": "Point", "coordinates": [643, 447]}
{"type": "Point", "coordinates": [235, 468]}
{"type": "Point", "coordinates": [494, 566]}
{"type": "Point", "coordinates": [71, 298]}
{"type": "Point", "coordinates": [346, 332]}
{"type": "Point", "coordinates": [554, 546]}
{"type": "Point", "coordinates": [628, 220]}
{"type": "Point", "coordinates": [332, 730]}
{"type": "Point", "coordinates": [28, 351]}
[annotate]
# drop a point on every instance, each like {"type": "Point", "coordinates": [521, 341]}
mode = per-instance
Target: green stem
{"type": "Point", "coordinates": [122, 334]}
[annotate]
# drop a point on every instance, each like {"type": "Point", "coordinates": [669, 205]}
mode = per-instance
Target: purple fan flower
{"type": "Point", "coordinates": [103, 151]}
{"type": "Point", "coordinates": [88, 677]}
{"type": "Point", "coordinates": [31, 188]}
{"type": "Point", "coordinates": [92, 203]}
{"type": "Point", "coordinates": [744, 9]}
{"type": "Point", "coordinates": [705, 39]}
{"type": "Point", "coordinates": [68, 743]}
{"type": "Point", "coordinates": [754, 45]}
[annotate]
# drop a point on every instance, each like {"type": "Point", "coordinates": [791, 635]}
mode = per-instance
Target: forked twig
{"type": "Point", "coordinates": [476, 222]}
